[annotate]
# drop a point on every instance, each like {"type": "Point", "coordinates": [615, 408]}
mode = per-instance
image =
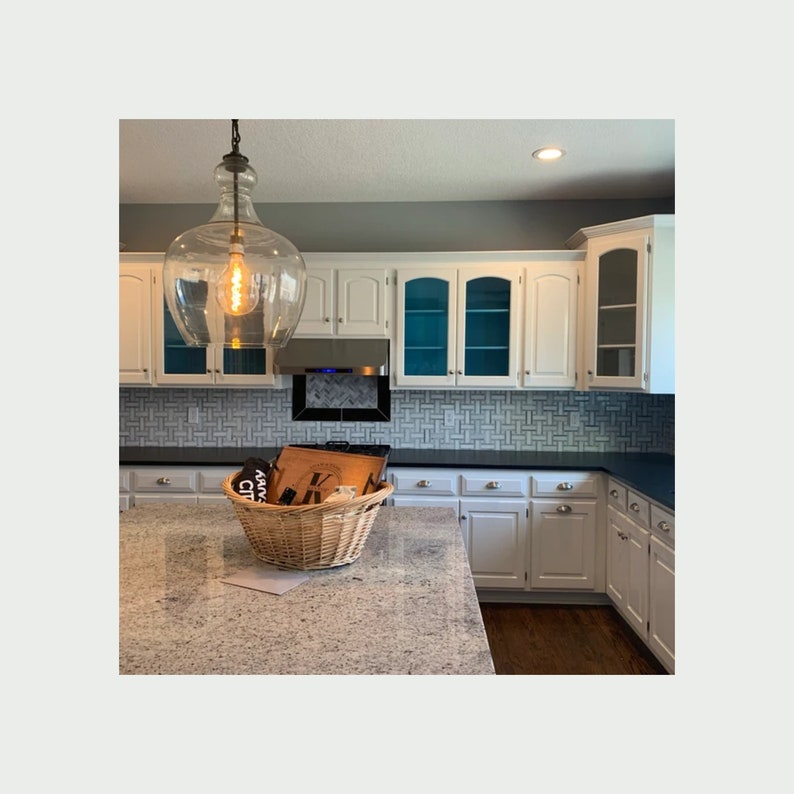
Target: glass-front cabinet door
{"type": "Point", "coordinates": [488, 327]}
{"type": "Point", "coordinates": [426, 301]}
{"type": "Point", "coordinates": [185, 365]}
{"type": "Point", "coordinates": [616, 274]}
{"type": "Point", "coordinates": [457, 327]}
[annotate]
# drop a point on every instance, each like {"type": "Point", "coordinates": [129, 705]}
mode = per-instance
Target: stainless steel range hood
{"type": "Point", "coordinates": [333, 357]}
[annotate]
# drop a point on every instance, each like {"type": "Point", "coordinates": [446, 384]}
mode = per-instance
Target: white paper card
{"type": "Point", "coordinates": [266, 578]}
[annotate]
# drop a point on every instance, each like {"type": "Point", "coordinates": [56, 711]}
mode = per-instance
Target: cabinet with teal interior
{"type": "Point", "coordinates": [457, 326]}
{"type": "Point", "coordinates": [488, 318]}
{"type": "Point", "coordinates": [425, 351]}
{"type": "Point", "coordinates": [187, 365]}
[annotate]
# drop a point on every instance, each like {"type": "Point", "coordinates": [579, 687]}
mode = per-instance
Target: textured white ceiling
{"type": "Point", "coordinates": [370, 160]}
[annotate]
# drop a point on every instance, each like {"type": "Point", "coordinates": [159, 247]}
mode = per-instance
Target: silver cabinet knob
{"type": "Point", "coordinates": [341, 320]}
{"type": "Point", "coordinates": [565, 486]}
{"type": "Point", "coordinates": [493, 484]}
{"type": "Point", "coordinates": [424, 483]}
{"type": "Point", "coordinates": [460, 372]}
{"type": "Point", "coordinates": [664, 526]}
{"type": "Point", "coordinates": [623, 536]}
{"type": "Point", "coordinates": [564, 508]}
{"type": "Point", "coordinates": [163, 481]}
{"type": "Point", "coordinates": [635, 507]}
{"type": "Point", "coordinates": [326, 319]}
{"type": "Point", "coordinates": [613, 493]}
{"type": "Point", "coordinates": [452, 372]}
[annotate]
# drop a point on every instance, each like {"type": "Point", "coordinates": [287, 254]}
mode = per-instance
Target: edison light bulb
{"type": "Point", "coordinates": [237, 291]}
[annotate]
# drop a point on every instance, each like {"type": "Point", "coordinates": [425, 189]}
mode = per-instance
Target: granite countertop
{"type": "Point", "coordinates": [406, 606]}
{"type": "Point", "coordinates": [653, 474]}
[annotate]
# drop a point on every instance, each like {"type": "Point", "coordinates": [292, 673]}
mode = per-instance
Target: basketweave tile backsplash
{"type": "Point", "coordinates": [555, 421]}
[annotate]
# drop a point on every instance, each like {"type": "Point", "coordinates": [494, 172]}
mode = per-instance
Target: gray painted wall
{"type": "Point", "coordinates": [429, 226]}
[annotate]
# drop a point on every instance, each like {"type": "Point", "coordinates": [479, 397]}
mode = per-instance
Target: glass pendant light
{"type": "Point", "coordinates": [232, 281]}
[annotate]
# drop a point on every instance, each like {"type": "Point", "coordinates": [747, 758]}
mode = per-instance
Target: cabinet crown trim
{"type": "Point", "coordinates": [631, 225]}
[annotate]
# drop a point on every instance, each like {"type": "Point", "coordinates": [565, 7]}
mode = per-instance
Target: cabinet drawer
{"type": "Point", "coordinates": [426, 482]}
{"type": "Point", "coordinates": [558, 484]}
{"type": "Point", "coordinates": [616, 495]}
{"type": "Point", "coordinates": [639, 508]}
{"type": "Point", "coordinates": [495, 483]}
{"type": "Point", "coordinates": [210, 480]}
{"type": "Point", "coordinates": [177, 480]}
{"type": "Point", "coordinates": [662, 524]}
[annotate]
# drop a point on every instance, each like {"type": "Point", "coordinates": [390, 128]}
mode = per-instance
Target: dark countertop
{"type": "Point", "coordinates": [652, 474]}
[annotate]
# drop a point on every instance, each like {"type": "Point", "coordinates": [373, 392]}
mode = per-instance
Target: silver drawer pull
{"type": "Point", "coordinates": [564, 508]}
{"type": "Point", "coordinates": [623, 536]}
{"type": "Point", "coordinates": [635, 507]}
{"type": "Point", "coordinates": [493, 484]}
{"type": "Point", "coordinates": [163, 481]}
{"type": "Point", "coordinates": [613, 493]}
{"type": "Point", "coordinates": [424, 483]}
{"type": "Point", "coordinates": [664, 526]}
{"type": "Point", "coordinates": [565, 486]}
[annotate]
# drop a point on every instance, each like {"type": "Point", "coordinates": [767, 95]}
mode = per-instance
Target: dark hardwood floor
{"type": "Point", "coordinates": [540, 639]}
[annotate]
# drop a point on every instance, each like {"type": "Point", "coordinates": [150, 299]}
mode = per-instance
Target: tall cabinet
{"type": "Point", "coordinates": [627, 338]}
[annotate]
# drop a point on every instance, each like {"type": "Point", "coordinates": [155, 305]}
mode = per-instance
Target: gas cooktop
{"type": "Point", "coordinates": [378, 450]}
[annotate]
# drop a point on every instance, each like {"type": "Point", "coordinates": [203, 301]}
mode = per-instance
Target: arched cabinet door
{"type": "Point", "coordinates": [628, 339]}
{"type": "Point", "coordinates": [426, 327]}
{"type": "Point", "coordinates": [488, 323]}
{"type": "Point", "coordinates": [617, 271]}
{"type": "Point", "coordinates": [550, 325]}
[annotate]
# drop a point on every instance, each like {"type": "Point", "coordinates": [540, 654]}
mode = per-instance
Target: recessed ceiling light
{"type": "Point", "coordinates": [548, 153]}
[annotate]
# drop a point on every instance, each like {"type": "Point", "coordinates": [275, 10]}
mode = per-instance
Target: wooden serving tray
{"type": "Point", "coordinates": [314, 473]}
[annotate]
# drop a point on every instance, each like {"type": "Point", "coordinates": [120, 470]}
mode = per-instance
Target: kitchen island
{"type": "Point", "coordinates": [406, 606]}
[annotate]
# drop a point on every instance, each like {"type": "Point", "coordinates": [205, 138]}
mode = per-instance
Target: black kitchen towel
{"type": "Point", "coordinates": [251, 482]}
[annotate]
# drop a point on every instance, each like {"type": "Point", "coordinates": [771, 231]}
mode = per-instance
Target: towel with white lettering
{"type": "Point", "coordinates": [251, 482]}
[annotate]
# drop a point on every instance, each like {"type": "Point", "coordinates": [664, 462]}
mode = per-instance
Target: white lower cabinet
{"type": "Point", "coordinates": [495, 531]}
{"type": "Point", "coordinates": [641, 568]}
{"type": "Point", "coordinates": [139, 485]}
{"type": "Point", "coordinates": [661, 616]}
{"type": "Point", "coordinates": [516, 536]}
{"type": "Point", "coordinates": [563, 544]}
{"type": "Point", "coordinates": [627, 569]}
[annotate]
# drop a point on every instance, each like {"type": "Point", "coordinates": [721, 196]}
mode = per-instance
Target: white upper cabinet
{"type": "Point", "coordinates": [489, 301]}
{"type": "Point", "coordinates": [135, 321]}
{"type": "Point", "coordinates": [550, 310]}
{"type": "Point", "coordinates": [153, 353]}
{"type": "Point", "coordinates": [344, 301]}
{"type": "Point", "coordinates": [628, 336]}
{"type": "Point", "coordinates": [458, 326]}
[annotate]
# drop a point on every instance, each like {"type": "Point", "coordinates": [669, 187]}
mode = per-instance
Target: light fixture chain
{"type": "Point", "coordinates": [235, 137]}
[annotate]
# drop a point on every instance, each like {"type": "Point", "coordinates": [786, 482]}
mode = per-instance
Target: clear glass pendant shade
{"type": "Point", "coordinates": [232, 281]}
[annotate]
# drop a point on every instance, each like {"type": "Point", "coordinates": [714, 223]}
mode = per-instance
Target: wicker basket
{"type": "Point", "coordinates": [307, 537]}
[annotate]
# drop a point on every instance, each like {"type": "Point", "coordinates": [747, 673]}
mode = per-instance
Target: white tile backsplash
{"type": "Point", "coordinates": [556, 421]}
